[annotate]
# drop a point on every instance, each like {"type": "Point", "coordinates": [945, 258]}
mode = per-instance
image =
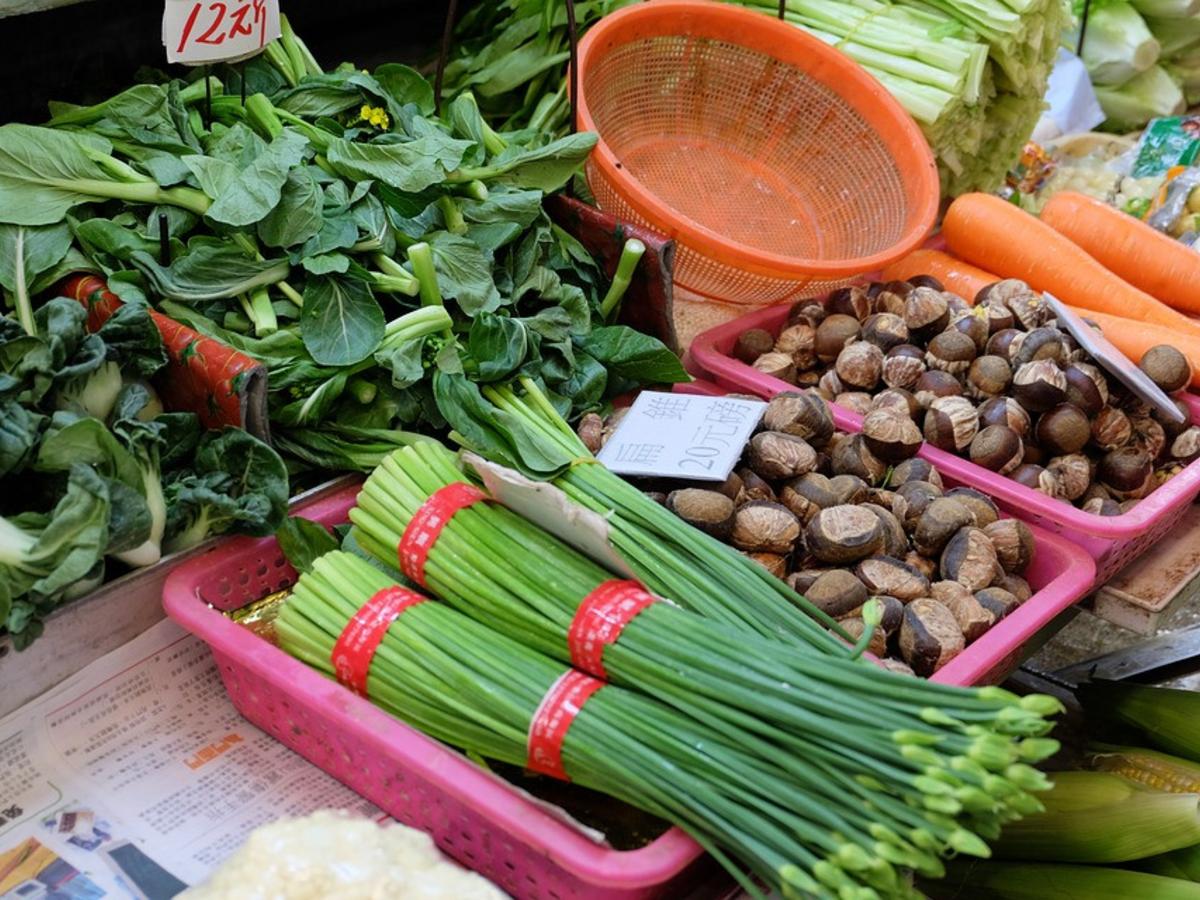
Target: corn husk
{"type": "Point", "coordinates": [1096, 817]}
{"type": "Point", "coordinates": [1041, 881]}
{"type": "Point", "coordinates": [1169, 718]}
{"type": "Point", "coordinates": [1183, 864]}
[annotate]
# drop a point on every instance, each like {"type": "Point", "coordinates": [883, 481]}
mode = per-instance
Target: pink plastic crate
{"type": "Point", "coordinates": [1060, 575]}
{"type": "Point", "coordinates": [1113, 541]}
{"type": "Point", "coordinates": [475, 817]}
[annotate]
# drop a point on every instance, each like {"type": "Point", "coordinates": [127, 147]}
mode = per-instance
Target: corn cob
{"type": "Point", "coordinates": [1149, 768]}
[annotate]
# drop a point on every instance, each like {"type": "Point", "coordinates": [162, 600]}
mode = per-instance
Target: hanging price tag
{"type": "Point", "coordinates": [196, 32]}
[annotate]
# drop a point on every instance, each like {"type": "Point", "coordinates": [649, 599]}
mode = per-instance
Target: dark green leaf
{"type": "Point", "coordinates": [412, 166]}
{"type": "Point", "coordinates": [464, 272]}
{"type": "Point", "coordinates": [303, 542]}
{"type": "Point", "coordinates": [27, 252]}
{"type": "Point", "coordinates": [20, 430]}
{"type": "Point", "coordinates": [405, 363]}
{"type": "Point", "coordinates": [341, 322]}
{"type": "Point", "coordinates": [498, 344]}
{"type": "Point", "coordinates": [210, 270]}
{"type": "Point", "coordinates": [44, 173]}
{"type": "Point", "coordinates": [327, 263]}
{"type": "Point", "coordinates": [406, 85]}
{"type": "Point", "coordinates": [545, 168]}
{"type": "Point", "coordinates": [634, 355]}
{"type": "Point", "coordinates": [297, 217]}
{"type": "Point", "coordinates": [255, 189]}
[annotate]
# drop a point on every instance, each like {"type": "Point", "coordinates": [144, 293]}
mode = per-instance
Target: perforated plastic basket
{"type": "Point", "coordinates": [475, 817]}
{"type": "Point", "coordinates": [779, 166]}
{"type": "Point", "coordinates": [1113, 541]}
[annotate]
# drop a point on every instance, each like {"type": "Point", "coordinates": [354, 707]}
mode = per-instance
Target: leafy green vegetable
{"type": "Point", "coordinates": [237, 482]}
{"type": "Point", "coordinates": [303, 541]}
{"type": "Point", "coordinates": [42, 554]}
{"type": "Point", "coordinates": [341, 323]}
{"type": "Point", "coordinates": [410, 166]}
{"type": "Point", "coordinates": [210, 269]}
{"type": "Point", "coordinates": [25, 254]}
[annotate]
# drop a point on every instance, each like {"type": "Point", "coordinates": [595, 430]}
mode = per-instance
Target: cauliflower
{"type": "Point", "coordinates": [335, 854]}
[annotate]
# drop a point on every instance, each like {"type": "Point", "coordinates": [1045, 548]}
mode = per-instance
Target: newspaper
{"type": "Point", "coordinates": [137, 777]}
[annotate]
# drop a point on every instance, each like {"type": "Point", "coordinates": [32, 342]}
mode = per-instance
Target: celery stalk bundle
{"type": "Point", "coordinates": [941, 765]}
{"type": "Point", "coordinates": [463, 683]}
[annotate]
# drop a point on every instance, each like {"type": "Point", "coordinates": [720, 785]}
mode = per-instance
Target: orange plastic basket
{"type": "Point", "coordinates": [779, 166]}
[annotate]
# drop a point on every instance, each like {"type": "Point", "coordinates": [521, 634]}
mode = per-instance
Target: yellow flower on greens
{"type": "Point", "coordinates": [375, 115]}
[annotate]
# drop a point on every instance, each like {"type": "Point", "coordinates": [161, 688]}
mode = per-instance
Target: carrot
{"type": "Point", "coordinates": [1147, 259]}
{"type": "Point", "coordinates": [989, 232]}
{"type": "Point", "coordinates": [1135, 338]}
{"type": "Point", "coordinates": [957, 276]}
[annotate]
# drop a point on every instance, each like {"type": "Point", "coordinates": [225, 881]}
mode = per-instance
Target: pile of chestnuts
{"type": "Point", "coordinates": [998, 382]}
{"type": "Point", "coordinates": [824, 511]}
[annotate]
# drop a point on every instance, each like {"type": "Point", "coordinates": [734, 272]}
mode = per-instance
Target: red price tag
{"type": "Point", "coordinates": [206, 31]}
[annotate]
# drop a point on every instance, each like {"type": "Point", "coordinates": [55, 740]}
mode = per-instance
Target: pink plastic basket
{"type": "Point", "coordinates": [1060, 575]}
{"type": "Point", "coordinates": [475, 817]}
{"type": "Point", "coordinates": [1113, 541]}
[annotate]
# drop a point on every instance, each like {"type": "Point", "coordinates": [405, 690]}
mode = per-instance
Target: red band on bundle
{"type": "Point", "coordinates": [427, 524]}
{"type": "Point", "coordinates": [356, 646]}
{"type": "Point", "coordinates": [600, 619]}
{"type": "Point", "coordinates": [552, 720]}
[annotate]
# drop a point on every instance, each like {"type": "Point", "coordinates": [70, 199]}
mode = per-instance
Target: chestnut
{"type": "Point", "coordinates": [916, 497]}
{"type": "Point", "coordinates": [926, 312]}
{"type": "Point", "coordinates": [763, 527]}
{"type": "Point", "coordinates": [916, 470]}
{"type": "Point", "coordinates": [1166, 367]}
{"type": "Point", "coordinates": [1041, 343]}
{"type": "Point", "coordinates": [896, 400]}
{"type": "Point", "coordinates": [890, 436]}
{"type": "Point", "coordinates": [1026, 306]}
{"type": "Point", "coordinates": [997, 316]}
{"type": "Point", "coordinates": [982, 508]}
{"type": "Point", "coordinates": [1064, 429]}
{"type": "Point", "coordinates": [776, 455]}
{"type": "Point", "coordinates": [843, 534]}
{"type": "Point", "coordinates": [852, 457]}
{"type": "Point", "coordinates": [1087, 387]}
{"type": "Point", "coordinates": [859, 365]}
{"type": "Point", "coordinates": [926, 281]}
{"type": "Point", "coordinates": [1039, 385]}
{"type": "Point", "coordinates": [895, 540]}
{"type": "Point", "coordinates": [902, 366]}
{"type": "Point", "coordinates": [710, 511]}
{"type": "Point", "coordinates": [997, 601]}
{"type": "Point", "coordinates": [941, 520]}
{"type": "Point", "coordinates": [886, 575]}
{"type": "Point", "coordinates": [951, 351]}
{"type": "Point", "coordinates": [836, 592]}
{"type": "Point", "coordinates": [988, 376]}
{"type": "Point", "coordinates": [1111, 429]}
{"type": "Point", "coordinates": [885, 331]}
{"type": "Point", "coordinates": [800, 342]}
{"type": "Point", "coordinates": [854, 301]}
{"type": "Point", "coordinates": [833, 334]}
{"type": "Point", "coordinates": [1008, 412]}
{"type": "Point", "coordinates": [1186, 445]}
{"type": "Point", "coordinates": [753, 487]}
{"type": "Point", "coordinates": [1148, 435]}
{"type": "Point", "coordinates": [951, 423]}
{"type": "Point", "coordinates": [751, 344]}
{"type": "Point", "coordinates": [973, 620]}
{"type": "Point", "coordinates": [929, 636]}
{"type": "Point", "coordinates": [1014, 544]}
{"type": "Point", "coordinates": [849, 489]}
{"type": "Point", "coordinates": [855, 401]}
{"type": "Point", "coordinates": [777, 365]}
{"type": "Point", "coordinates": [973, 325]}
{"type": "Point", "coordinates": [970, 559]}
{"type": "Point", "coordinates": [1039, 479]}
{"type": "Point", "coordinates": [1102, 506]}
{"type": "Point", "coordinates": [1074, 473]}
{"type": "Point", "coordinates": [830, 385]}
{"type": "Point", "coordinates": [1128, 473]}
{"type": "Point", "coordinates": [934, 384]}
{"type": "Point", "coordinates": [801, 414]}
{"type": "Point", "coordinates": [1000, 343]}
{"type": "Point", "coordinates": [808, 495]}
{"type": "Point", "coordinates": [999, 448]}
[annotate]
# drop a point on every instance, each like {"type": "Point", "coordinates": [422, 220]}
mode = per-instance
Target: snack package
{"type": "Point", "coordinates": [1167, 143]}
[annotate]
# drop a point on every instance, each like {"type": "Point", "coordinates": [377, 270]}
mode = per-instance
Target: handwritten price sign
{"type": "Point", "coordinates": [205, 31]}
{"type": "Point", "coordinates": [681, 436]}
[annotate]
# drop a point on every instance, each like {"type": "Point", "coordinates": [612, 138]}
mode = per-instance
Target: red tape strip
{"type": "Point", "coordinates": [552, 720]}
{"type": "Point", "coordinates": [427, 524]}
{"type": "Point", "coordinates": [601, 618]}
{"type": "Point", "coordinates": [356, 645]}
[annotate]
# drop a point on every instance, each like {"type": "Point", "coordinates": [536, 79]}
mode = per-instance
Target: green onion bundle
{"type": "Point", "coordinates": [667, 555]}
{"type": "Point", "coordinates": [463, 683]}
{"type": "Point", "coordinates": [940, 765]}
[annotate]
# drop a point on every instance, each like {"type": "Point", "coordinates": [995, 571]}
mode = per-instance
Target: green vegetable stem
{"type": "Point", "coordinates": [631, 255]}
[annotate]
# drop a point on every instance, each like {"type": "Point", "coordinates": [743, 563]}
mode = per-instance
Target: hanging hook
{"type": "Point", "coordinates": [443, 55]}
{"type": "Point", "coordinates": [1083, 23]}
{"type": "Point", "coordinates": [782, 9]}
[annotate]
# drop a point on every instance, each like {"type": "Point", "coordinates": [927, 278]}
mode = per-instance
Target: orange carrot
{"type": "Point", "coordinates": [1128, 247]}
{"type": "Point", "coordinates": [990, 232]}
{"type": "Point", "coordinates": [957, 276]}
{"type": "Point", "coordinates": [1135, 338]}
